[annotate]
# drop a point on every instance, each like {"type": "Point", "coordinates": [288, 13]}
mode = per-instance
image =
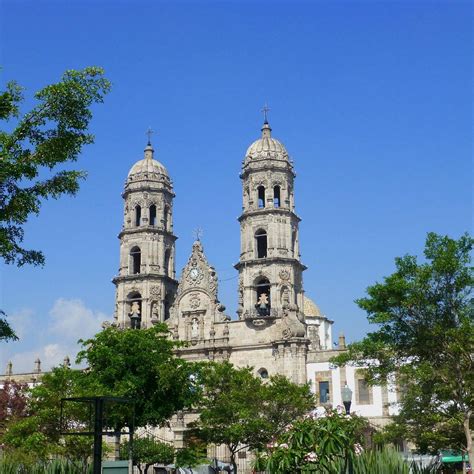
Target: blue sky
{"type": "Point", "coordinates": [373, 101]}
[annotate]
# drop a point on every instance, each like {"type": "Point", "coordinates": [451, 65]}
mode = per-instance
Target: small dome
{"type": "Point", "coordinates": [311, 309]}
{"type": "Point", "coordinates": [266, 146]}
{"type": "Point", "coordinates": [148, 166]}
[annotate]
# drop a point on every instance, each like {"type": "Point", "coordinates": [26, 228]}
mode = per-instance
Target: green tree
{"type": "Point", "coordinates": [148, 451]}
{"type": "Point", "coordinates": [314, 443]}
{"type": "Point", "coordinates": [6, 332]}
{"type": "Point", "coordinates": [40, 141]}
{"type": "Point", "coordinates": [425, 340]}
{"type": "Point", "coordinates": [240, 411]}
{"type": "Point", "coordinates": [38, 436]}
{"type": "Point", "coordinates": [139, 365]}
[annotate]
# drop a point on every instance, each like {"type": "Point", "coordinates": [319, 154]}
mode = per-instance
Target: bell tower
{"type": "Point", "coordinates": [146, 284]}
{"type": "Point", "coordinates": [270, 270]}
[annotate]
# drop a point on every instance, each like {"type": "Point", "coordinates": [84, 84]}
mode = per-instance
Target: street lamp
{"type": "Point", "coordinates": [347, 398]}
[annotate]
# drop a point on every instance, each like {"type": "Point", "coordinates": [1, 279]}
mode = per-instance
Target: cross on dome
{"type": "Point", "coordinates": [149, 133]}
{"type": "Point", "coordinates": [265, 111]}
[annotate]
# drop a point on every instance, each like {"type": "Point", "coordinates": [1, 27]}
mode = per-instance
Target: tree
{"type": "Point", "coordinates": [51, 134]}
{"type": "Point", "coordinates": [148, 451]}
{"type": "Point", "coordinates": [425, 340]}
{"type": "Point", "coordinates": [38, 435]}
{"type": "Point", "coordinates": [139, 365]}
{"type": "Point", "coordinates": [6, 332]}
{"type": "Point", "coordinates": [315, 443]}
{"type": "Point", "coordinates": [240, 411]}
{"type": "Point", "coordinates": [13, 401]}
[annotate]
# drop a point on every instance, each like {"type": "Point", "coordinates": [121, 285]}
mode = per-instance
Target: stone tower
{"type": "Point", "coordinates": [146, 283]}
{"type": "Point", "coordinates": [270, 268]}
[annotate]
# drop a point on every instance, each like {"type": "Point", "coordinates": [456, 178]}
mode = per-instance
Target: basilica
{"type": "Point", "coordinates": [277, 325]}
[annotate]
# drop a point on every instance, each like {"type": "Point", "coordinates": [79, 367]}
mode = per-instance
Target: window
{"type": "Point", "coordinates": [166, 217]}
{"type": "Point", "coordinates": [261, 243]}
{"type": "Point", "coordinates": [138, 215]}
{"type": "Point", "coordinates": [136, 260]}
{"type": "Point", "coordinates": [363, 392]}
{"type": "Point", "coordinates": [324, 392]}
{"type": "Point", "coordinates": [261, 196]}
{"type": "Point", "coordinates": [152, 214]}
{"type": "Point", "coordinates": [166, 265]}
{"type": "Point", "coordinates": [263, 296]}
{"type": "Point", "coordinates": [134, 303]}
{"type": "Point", "coordinates": [276, 196]}
{"type": "Point", "coordinates": [263, 373]}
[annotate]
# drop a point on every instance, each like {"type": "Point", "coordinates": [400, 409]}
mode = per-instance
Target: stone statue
{"type": "Point", "coordinates": [195, 329]}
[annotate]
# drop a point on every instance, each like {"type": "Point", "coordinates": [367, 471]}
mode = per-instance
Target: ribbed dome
{"type": "Point", "coordinates": [148, 166]}
{"type": "Point", "coordinates": [267, 146]}
{"type": "Point", "coordinates": [310, 308]}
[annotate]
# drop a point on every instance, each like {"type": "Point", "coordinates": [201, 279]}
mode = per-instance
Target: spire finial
{"type": "Point", "coordinates": [149, 133]}
{"type": "Point", "coordinates": [265, 111]}
{"type": "Point", "coordinates": [198, 232]}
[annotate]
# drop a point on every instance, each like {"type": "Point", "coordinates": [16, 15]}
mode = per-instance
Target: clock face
{"type": "Point", "coordinates": [194, 273]}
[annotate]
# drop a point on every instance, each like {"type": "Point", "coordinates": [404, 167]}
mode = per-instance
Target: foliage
{"type": "Point", "coordinates": [6, 332]}
{"type": "Point", "coordinates": [38, 436]}
{"type": "Point", "coordinates": [191, 456]}
{"type": "Point", "coordinates": [239, 410]}
{"type": "Point", "coordinates": [314, 443]}
{"type": "Point", "coordinates": [425, 340]}
{"type": "Point", "coordinates": [13, 400]}
{"type": "Point", "coordinates": [51, 134]}
{"type": "Point", "coordinates": [148, 451]}
{"type": "Point", "coordinates": [13, 465]}
{"type": "Point", "coordinates": [141, 366]}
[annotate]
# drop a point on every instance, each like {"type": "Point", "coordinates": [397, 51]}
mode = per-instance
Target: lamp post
{"type": "Point", "coordinates": [347, 400]}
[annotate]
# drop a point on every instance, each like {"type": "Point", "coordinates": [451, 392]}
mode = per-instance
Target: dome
{"type": "Point", "coordinates": [266, 146]}
{"type": "Point", "coordinates": [148, 166]}
{"type": "Point", "coordinates": [311, 309]}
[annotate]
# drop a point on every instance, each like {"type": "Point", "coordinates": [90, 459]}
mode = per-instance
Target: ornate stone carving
{"type": "Point", "coordinates": [194, 301]}
{"type": "Point", "coordinates": [155, 291]}
{"type": "Point", "coordinates": [285, 274]}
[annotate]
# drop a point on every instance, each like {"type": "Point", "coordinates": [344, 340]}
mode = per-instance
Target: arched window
{"type": "Point", "coordinates": [261, 243]}
{"type": "Point", "coordinates": [166, 217]}
{"type": "Point", "coordinates": [263, 296]}
{"type": "Point", "coordinates": [263, 373]}
{"type": "Point", "coordinates": [166, 265]}
{"type": "Point", "coordinates": [261, 196]}
{"type": "Point", "coordinates": [135, 260]}
{"type": "Point", "coordinates": [276, 196]}
{"type": "Point", "coordinates": [134, 305]}
{"type": "Point", "coordinates": [152, 214]}
{"type": "Point", "coordinates": [138, 215]}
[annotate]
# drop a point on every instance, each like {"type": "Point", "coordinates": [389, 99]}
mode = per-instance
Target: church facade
{"type": "Point", "coordinates": [277, 327]}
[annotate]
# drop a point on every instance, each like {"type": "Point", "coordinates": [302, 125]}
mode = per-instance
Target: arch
{"type": "Point", "coordinates": [261, 243]}
{"type": "Point", "coordinates": [134, 309]}
{"type": "Point", "coordinates": [262, 287]}
{"type": "Point", "coordinates": [276, 196]}
{"type": "Point", "coordinates": [166, 263]}
{"type": "Point", "coordinates": [153, 214]}
{"type": "Point", "coordinates": [263, 372]}
{"type": "Point", "coordinates": [135, 260]}
{"type": "Point", "coordinates": [261, 196]}
{"type": "Point", "coordinates": [138, 215]}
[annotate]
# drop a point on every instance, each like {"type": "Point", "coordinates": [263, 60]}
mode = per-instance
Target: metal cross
{"type": "Point", "coordinates": [265, 111]}
{"type": "Point", "coordinates": [198, 232]}
{"type": "Point", "coordinates": [149, 132]}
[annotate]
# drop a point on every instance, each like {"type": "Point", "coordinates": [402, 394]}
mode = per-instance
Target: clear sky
{"type": "Point", "coordinates": [373, 101]}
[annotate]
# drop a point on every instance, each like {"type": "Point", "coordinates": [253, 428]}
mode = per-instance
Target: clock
{"type": "Point", "coordinates": [194, 273]}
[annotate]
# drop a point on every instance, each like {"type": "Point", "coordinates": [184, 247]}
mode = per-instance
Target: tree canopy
{"type": "Point", "coordinates": [139, 365]}
{"type": "Point", "coordinates": [241, 411]}
{"type": "Point", "coordinates": [425, 340]}
{"type": "Point", "coordinates": [41, 140]}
